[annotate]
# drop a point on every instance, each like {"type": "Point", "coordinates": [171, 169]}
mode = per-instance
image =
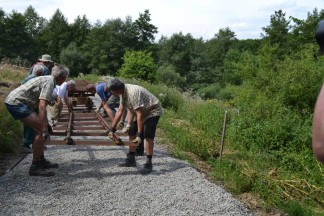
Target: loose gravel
{"type": "Point", "coordinates": [90, 182]}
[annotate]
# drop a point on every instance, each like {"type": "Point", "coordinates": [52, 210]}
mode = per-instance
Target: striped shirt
{"type": "Point", "coordinates": [135, 97]}
{"type": "Point", "coordinates": [31, 92]}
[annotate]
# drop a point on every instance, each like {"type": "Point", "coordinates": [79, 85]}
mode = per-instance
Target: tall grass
{"type": "Point", "coordinates": [10, 130]}
{"type": "Point", "coordinates": [289, 179]}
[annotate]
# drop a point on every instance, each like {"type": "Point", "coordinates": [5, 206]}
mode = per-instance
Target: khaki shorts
{"type": "Point", "coordinates": [53, 113]}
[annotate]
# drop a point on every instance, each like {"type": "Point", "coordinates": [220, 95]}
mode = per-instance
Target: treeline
{"type": "Point", "coordinates": [127, 48]}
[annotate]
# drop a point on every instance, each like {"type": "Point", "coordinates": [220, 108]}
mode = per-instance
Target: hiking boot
{"type": "Point", "coordinates": [129, 162]}
{"type": "Point", "coordinates": [48, 165]}
{"type": "Point", "coordinates": [38, 170]}
{"type": "Point", "coordinates": [27, 148]}
{"type": "Point", "coordinates": [147, 168]}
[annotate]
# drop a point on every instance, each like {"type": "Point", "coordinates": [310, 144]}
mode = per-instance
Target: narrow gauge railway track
{"type": "Point", "coordinates": [83, 126]}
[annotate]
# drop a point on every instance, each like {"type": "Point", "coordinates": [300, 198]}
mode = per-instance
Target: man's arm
{"type": "Point", "coordinates": [42, 114]}
{"type": "Point", "coordinates": [139, 119]}
{"type": "Point", "coordinates": [118, 116]}
{"type": "Point", "coordinates": [68, 104]}
{"type": "Point", "coordinates": [318, 127]}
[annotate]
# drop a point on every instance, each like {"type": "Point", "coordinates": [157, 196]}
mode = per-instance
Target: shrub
{"type": "Point", "coordinates": [10, 131]}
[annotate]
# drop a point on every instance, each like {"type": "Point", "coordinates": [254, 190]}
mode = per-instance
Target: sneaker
{"type": "Point", "coordinates": [27, 148]}
{"type": "Point", "coordinates": [147, 168]}
{"type": "Point", "coordinates": [129, 162]}
{"type": "Point", "coordinates": [47, 164]}
{"type": "Point", "coordinates": [38, 170]}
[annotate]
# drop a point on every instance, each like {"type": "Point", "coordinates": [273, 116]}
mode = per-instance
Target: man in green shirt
{"type": "Point", "coordinates": [145, 109]}
{"type": "Point", "coordinates": [21, 103]}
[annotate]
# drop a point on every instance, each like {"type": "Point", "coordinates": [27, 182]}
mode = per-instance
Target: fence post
{"type": "Point", "coordinates": [223, 135]}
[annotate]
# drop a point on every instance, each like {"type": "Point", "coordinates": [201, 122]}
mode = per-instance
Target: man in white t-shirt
{"type": "Point", "coordinates": [61, 93]}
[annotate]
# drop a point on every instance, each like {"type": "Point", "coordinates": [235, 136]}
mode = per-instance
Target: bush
{"type": "Point", "coordinates": [168, 76]}
{"type": "Point", "coordinates": [10, 131]}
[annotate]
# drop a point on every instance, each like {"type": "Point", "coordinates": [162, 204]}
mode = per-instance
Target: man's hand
{"type": "Point", "coordinates": [120, 125]}
{"type": "Point", "coordinates": [52, 103]}
{"type": "Point", "coordinates": [111, 133]}
{"type": "Point", "coordinates": [126, 129]}
{"type": "Point", "coordinates": [45, 135]}
{"type": "Point", "coordinates": [138, 139]}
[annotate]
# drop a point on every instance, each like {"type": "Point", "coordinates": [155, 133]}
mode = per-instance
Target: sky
{"type": "Point", "coordinates": [200, 18]}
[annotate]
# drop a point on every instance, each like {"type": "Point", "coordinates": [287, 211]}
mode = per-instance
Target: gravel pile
{"type": "Point", "coordinates": [90, 182]}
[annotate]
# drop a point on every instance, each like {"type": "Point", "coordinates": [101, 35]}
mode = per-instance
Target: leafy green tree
{"type": "Point", "coordinates": [167, 75]}
{"type": "Point", "coordinates": [145, 30]}
{"type": "Point", "coordinates": [303, 30]}
{"type": "Point", "coordinates": [2, 34]}
{"type": "Point", "coordinates": [277, 33]}
{"type": "Point", "coordinates": [55, 36]}
{"type": "Point", "coordinates": [34, 26]}
{"type": "Point", "coordinates": [106, 44]}
{"type": "Point", "coordinates": [15, 38]}
{"type": "Point", "coordinates": [139, 65]}
{"type": "Point", "coordinates": [177, 52]}
{"type": "Point", "coordinates": [80, 30]}
{"type": "Point", "coordinates": [73, 59]}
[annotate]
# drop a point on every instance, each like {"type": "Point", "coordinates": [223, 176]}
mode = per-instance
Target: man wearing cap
{"type": "Point", "coordinates": [146, 108]}
{"type": "Point", "coordinates": [45, 61]}
{"type": "Point", "coordinates": [21, 103]}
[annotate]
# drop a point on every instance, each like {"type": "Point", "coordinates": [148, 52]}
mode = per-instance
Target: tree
{"type": "Point", "coordinates": [277, 33]}
{"type": "Point", "coordinates": [177, 52]}
{"type": "Point", "coordinates": [16, 41]}
{"type": "Point", "coordinates": [73, 59]}
{"type": "Point", "coordinates": [139, 65]}
{"type": "Point", "coordinates": [34, 26]}
{"type": "Point", "coordinates": [79, 30]}
{"type": "Point", "coordinates": [56, 35]}
{"type": "Point", "coordinates": [145, 30]}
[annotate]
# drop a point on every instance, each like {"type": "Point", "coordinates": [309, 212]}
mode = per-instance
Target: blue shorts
{"type": "Point", "coordinates": [19, 111]}
{"type": "Point", "coordinates": [149, 127]}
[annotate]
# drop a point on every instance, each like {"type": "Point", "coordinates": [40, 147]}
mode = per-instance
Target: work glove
{"type": "Point", "coordinates": [52, 103]}
{"type": "Point", "coordinates": [120, 125]}
{"type": "Point", "coordinates": [111, 133]}
{"type": "Point", "coordinates": [45, 135]}
{"type": "Point", "coordinates": [97, 110]}
{"type": "Point", "coordinates": [138, 139]}
{"type": "Point", "coordinates": [126, 129]}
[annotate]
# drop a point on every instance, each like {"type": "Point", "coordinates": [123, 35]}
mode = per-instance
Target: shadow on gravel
{"type": "Point", "coordinates": [93, 167]}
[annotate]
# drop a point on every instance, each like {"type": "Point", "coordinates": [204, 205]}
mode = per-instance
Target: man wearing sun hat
{"type": "Point", "coordinates": [45, 61]}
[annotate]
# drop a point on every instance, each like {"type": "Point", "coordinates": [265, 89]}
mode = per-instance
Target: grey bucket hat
{"type": "Point", "coordinates": [46, 58]}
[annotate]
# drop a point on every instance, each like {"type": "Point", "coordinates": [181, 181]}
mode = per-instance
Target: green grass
{"type": "Point", "coordinates": [294, 185]}
{"type": "Point", "coordinates": [10, 129]}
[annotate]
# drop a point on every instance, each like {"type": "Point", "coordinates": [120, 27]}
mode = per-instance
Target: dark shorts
{"type": "Point", "coordinates": [149, 127]}
{"type": "Point", "coordinates": [19, 111]}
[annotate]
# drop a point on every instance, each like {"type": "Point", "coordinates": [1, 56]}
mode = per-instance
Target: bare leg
{"type": "Point", "coordinates": [33, 121]}
{"type": "Point", "coordinates": [149, 146]}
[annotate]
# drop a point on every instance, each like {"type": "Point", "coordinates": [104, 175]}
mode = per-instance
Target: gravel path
{"type": "Point", "coordinates": [90, 182]}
